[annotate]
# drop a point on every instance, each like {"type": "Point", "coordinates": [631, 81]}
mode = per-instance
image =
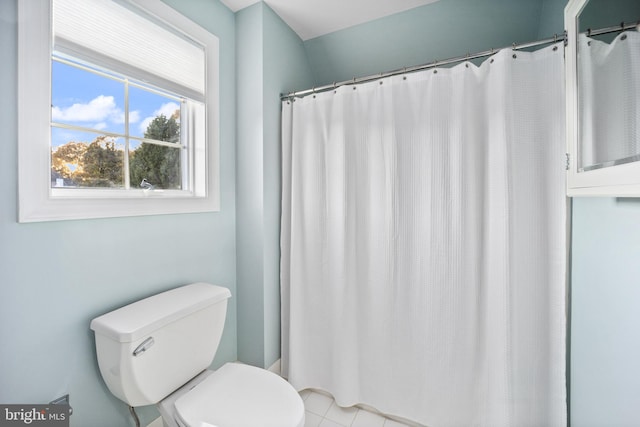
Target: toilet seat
{"type": "Point", "coordinates": [241, 396]}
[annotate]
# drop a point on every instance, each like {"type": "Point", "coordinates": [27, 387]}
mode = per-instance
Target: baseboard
{"type": "Point", "coordinates": [275, 368]}
{"type": "Point", "coordinates": [156, 423]}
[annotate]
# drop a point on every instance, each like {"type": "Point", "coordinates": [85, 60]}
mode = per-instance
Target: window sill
{"type": "Point", "coordinates": [111, 206]}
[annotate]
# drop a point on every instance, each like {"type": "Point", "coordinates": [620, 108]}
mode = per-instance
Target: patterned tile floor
{"type": "Point", "coordinates": [322, 411]}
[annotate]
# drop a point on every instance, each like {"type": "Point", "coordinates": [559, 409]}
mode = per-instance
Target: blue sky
{"type": "Point", "coordinates": [89, 100]}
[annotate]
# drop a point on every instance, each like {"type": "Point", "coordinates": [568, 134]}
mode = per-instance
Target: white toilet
{"type": "Point", "coordinates": [158, 351]}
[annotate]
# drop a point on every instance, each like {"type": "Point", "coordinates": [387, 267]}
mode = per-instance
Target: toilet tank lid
{"type": "Point", "coordinates": [138, 319]}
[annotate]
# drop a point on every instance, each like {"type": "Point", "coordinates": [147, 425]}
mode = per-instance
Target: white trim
{"type": "Point", "coordinates": [621, 180]}
{"type": "Point", "coordinates": [37, 201]}
{"type": "Point", "coordinates": [156, 423]}
{"type": "Point", "coordinates": [275, 368]}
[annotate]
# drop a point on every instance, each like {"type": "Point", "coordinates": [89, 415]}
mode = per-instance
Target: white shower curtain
{"type": "Point", "coordinates": [423, 243]}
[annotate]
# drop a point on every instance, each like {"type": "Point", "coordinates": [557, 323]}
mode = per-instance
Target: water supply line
{"type": "Point", "coordinates": [132, 411]}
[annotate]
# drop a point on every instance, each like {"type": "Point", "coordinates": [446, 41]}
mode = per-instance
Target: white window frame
{"type": "Point", "coordinates": [37, 200]}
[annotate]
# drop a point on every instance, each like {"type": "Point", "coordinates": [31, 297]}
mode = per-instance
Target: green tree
{"type": "Point", "coordinates": [158, 164]}
{"type": "Point", "coordinates": [102, 164]}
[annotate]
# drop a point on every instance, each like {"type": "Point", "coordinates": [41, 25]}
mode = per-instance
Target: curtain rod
{"type": "Point", "coordinates": [556, 38]}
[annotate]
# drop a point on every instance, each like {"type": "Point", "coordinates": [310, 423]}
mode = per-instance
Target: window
{"type": "Point", "coordinates": [117, 110]}
{"type": "Point", "coordinates": [109, 132]}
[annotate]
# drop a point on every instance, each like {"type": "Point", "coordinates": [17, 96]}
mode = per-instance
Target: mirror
{"type": "Point", "coordinates": [603, 89]}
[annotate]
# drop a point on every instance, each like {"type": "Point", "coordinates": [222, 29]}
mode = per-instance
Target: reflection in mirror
{"type": "Point", "coordinates": [608, 84]}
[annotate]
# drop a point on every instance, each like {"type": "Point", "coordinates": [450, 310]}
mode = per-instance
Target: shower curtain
{"type": "Point", "coordinates": [423, 243]}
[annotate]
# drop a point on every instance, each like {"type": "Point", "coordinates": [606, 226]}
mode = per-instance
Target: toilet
{"type": "Point", "coordinates": [157, 351]}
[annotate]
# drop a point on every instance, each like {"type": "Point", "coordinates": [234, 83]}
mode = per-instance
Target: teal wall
{"type": "Point", "coordinates": [436, 31]}
{"type": "Point", "coordinates": [551, 18]}
{"type": "Point", "coordinates": [249, 196]}
{"type": "Point", "coordinates": [608, 13]}
{"type": "Point", "coordinates": [605, 316]}
{"type": "Point", "coordinates": [56, 276]}
{"type": "Point", "coordinates": [270, 60]}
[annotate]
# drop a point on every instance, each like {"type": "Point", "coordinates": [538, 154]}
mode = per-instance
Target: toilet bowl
{"type": "Point", "coordinates": [235, 396]}
{"type": "Point", "coordinates": [157, 351]}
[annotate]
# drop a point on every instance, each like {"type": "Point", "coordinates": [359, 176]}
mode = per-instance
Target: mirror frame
{"type": "Point", "coordinates": [614, 181]}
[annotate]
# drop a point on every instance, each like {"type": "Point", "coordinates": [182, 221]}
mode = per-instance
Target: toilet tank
{"type": "Point", "coordinates": [150, 348]}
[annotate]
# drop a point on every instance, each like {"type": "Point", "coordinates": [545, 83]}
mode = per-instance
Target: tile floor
{"type": "Point", "coordinates": [322, 411]}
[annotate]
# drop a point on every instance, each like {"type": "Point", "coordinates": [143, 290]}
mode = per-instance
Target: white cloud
{"type": "Point", "coordinates": [165, 109]}
{"type": "Point", "coordinates": [97, 110]}
{"type": "Point", "coordinates": [134, 116]}
{"type": "Point", "coordinates": [118, 116]}
{"type": "Point", "coordinates": [100, 110]}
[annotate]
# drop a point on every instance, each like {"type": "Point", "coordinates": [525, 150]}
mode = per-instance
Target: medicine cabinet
{"type": "Point", "coordinates": [603, 90]}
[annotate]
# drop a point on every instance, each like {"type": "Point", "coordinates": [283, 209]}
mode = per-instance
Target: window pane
{"type": "Point", "coordinates": [159, 165]}
{"type": "Point", "coordinates": [153, 116]}
{"type": "Point", "coordinates": [84, 159]}
{"type": "Point", "coordinates": [86, 99]}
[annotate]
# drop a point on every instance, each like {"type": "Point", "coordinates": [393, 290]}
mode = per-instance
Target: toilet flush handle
{"type": "Point", "coordinates": [146, 345]}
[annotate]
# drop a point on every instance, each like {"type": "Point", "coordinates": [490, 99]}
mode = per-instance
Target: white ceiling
{"type": "Point", "coordinates": [313, 18]}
